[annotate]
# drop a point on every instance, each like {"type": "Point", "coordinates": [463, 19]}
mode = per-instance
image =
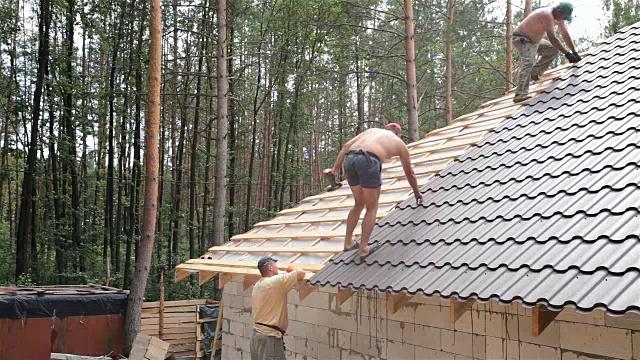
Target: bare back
{"type": "Point", "coordinates": [537, 24]}
{"type": "Point", "coordinates": [383, 143]}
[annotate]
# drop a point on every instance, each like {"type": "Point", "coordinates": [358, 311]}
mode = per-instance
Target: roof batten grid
{"type": "Point", "coordinates": [437, 151]}
{"type": "Point", "coordinates": [543, 211]}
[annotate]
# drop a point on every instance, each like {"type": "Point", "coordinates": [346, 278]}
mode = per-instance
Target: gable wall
{"type": "Point", "coordinates": [363, 329]}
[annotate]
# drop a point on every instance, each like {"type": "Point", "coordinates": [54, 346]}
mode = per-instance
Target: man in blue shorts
{"type": "Point", "coordinates": [363, 157]}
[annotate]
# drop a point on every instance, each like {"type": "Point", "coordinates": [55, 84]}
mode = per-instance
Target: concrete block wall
{"type": "Point", "coordinates": [362, 329]}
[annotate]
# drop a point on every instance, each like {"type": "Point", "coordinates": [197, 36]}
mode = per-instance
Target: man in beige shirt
{"type": "Point", "coordinates": [269, 307]}
{"type": "Point", "coordinates": [528, 39]}
{"type": "Point", "coordinates": [363, 157]}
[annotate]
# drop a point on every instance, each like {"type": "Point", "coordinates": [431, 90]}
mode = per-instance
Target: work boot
{"type": "Point", "coordinates": [521, 98]}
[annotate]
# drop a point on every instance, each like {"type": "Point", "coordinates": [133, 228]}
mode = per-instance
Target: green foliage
{"type": "Point", "coordinates": [622, 13]}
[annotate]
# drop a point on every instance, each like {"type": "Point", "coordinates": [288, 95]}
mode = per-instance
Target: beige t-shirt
{"type": "Point", "coordinates": [269, 302]}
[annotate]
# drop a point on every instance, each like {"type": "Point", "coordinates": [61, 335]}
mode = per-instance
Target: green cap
{"type": "Point", "coordinates": [567, 9]}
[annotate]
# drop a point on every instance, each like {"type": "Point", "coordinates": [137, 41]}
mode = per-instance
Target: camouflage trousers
{"type": "Point", "coordinates": [529, 68]}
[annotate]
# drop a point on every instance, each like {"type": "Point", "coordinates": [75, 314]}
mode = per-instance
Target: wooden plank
{"type": "Point", "coordinates": [168, 330]}
{"type": "Point", "coordinates": [168, 315]}
{"type": "Point", "coordinates": [450, 144]}
{"type": "Point", "coordinates": [249, 280]}
{"type": "Point", "coordinates": [306, 289]}
{"type": "Point", "coordinates": [284, 235]}
{"type": "Point", "coordinates": [396, 301]}
{"type": "Point", "coordinates": [168, 304]}
{"type": "Point", "coordinates": [542, 318]}
{"type": "Point", "coordinates": [155, 352]}
{"type": "Point", "coordinates": [457, 308]}
{"type": "Point", "coordinates": [191, 340]}
{"type": "Point", "coordinates": [205, 276]}
{"type": "Point", "coordinates": [322, 219]}
{"type": "Point", "coordinates": [270, 249]}
{"type": "Point", "coordinates": [225, 278]}
{"type": "Point", "coordinates": [343, 295]}
{"type": "Point", "coordinates": [335, 206]}
{"type": "Point", "coordinates": [175, 309]}
{"type": "Point", "coordinates": [159, 343]}
{"type": "Point", "coordinates": [167, 321]}
{"type": "Point", "coordinates": [283, 266]}
{"type": "Point", "coordinates": [232, 270]}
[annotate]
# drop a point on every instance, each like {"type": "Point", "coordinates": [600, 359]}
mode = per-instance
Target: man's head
{"type": "Point", "coordinates": [267, 266]}
{"type": "Point", "coordinates": [394, 128]}
{"type": "Point", "coordinates": [563, 11]}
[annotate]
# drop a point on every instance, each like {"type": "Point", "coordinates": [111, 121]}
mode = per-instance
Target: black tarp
{"type": "Point", "coordinates": [209, 329]}
{"type": "Point", "coordinates": [50, 305]}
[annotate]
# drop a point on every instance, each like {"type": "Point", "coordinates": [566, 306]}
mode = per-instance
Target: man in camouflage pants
{"type": "Point", "coordinates": [528, 41]}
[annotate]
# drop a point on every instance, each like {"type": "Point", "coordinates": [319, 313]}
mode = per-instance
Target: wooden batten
{"type": "Point", "coordinates": [249, 280]}
{"type": "Point", "coordinates": [458, 308]}
{"type": "Point", "coordinates": [306, 289]}
{"type": "Point", "coordinates": [541, 318]}
{"type": "Point", "coordinates": [396, 301]}
{"type": "Point", "coordinates": [225, 278]}
{"type": "Point", "coordinates": [182, 274]}
{"type": "Point", "coordinates": [205, 276]}
{"type": "Point", "coordinates": [343, 295]}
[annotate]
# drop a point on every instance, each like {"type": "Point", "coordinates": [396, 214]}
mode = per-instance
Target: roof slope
{"type": "Point", "coordinates": [545, 210]}
{"type": "Point", "coordinates": [311, 233]}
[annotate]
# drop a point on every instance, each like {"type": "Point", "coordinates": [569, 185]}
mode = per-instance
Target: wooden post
{"type": "Point", "coordinates": [214, 341]}
{"type": "Point", "coordinates": [161, 311]}
{"type": "Point", "coordinates": [396, 301]}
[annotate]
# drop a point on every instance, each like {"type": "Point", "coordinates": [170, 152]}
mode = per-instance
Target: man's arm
{"type": "Point", "coordinates": [405, 159]}
{"type": "Point", "coordinates": [564, 32]}
{"type": "Point", "coordinates": [343, 153]}
{"type": "Point", "coordinates": [553, 39]}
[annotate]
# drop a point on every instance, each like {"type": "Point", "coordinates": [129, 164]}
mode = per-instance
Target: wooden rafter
{"type": "Point", "coordinates": [205, 276]}
{"type": "Point", "coordinates": [541, 318]}
{"type": "Point", "coordinates": [306, 289]}
{"type": "Point", "coordinates": [182, 274]}
{"type": "Point", "coordinates": [343, 295]}
{"type": "Point", "coordinates": [458, 308]}
{"type": "Point", "coordinates": [225, 278]}
{"type": "Point", "coordinates": [396, 301]}
{"type": "Point", "coordinates": [249, 280]}
{"type": "Point", "coordinates": [322, 219]}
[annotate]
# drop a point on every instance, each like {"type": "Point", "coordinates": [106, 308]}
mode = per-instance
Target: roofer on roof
{"type": "Point", "coordinates": [269, 307]}
{"type": "Point", "coordinates": [528, 41]}
{"type": "Point", "coordinates": [363, 157]}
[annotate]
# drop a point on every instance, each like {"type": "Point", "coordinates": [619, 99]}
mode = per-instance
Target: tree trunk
{"type": "Point", "coordinates": [448, 107]}
{"type": "Point", "coordinates": [220, 194]}
{"type": "Point", "coordinates": [109, 230]}
{"type": "Point", "coordinates": [412, 91]}
{"type": "Point", "coordinates": [232, 142]}
{"type": "Point", "coordinates": [25, 234]}
{"type": "Point", "coordinates": [193, 196]}
{"type": "Point", "coordinates": [527, 8]}
{"type": "Point", "coordinates": [143, 261]}
{"type": "Point", "coordinates": [59, 243]}
{"type": "Point", "coordinates": [134, 197]}
{"type": "Point", "coordinates": [508, 66]}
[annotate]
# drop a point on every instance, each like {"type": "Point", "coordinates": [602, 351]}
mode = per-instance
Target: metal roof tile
{"type": "Point", "coordinates": [545, 210]}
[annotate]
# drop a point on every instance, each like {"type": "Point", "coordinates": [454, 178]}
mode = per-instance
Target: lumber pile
{"type": "Point", "coordinates": [146, 347]}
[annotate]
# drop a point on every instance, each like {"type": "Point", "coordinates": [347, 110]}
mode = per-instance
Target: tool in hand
{"type": "Point", "coordinates": [333, 184]}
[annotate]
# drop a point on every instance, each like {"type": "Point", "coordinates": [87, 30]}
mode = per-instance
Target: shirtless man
{"type": "Point", "coordinates": [363, 157]}
{"type": "Point", "coordinates": [528, 40]}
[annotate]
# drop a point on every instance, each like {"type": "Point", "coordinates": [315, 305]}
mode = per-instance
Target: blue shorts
{"type": "Point", "coordinates": [363, 169]}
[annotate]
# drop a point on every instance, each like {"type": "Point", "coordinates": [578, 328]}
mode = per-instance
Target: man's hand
{"type": "Point", "coordinates": [418, 196]}
{"type": "Point", "coordinates": [575, 53]}
{"type": "Point", "coordinates": [572, 58]}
